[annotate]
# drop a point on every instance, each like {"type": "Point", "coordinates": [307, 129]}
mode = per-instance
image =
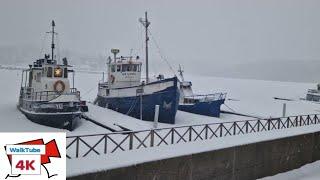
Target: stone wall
{"type": "Point", "coordinates": [250, 161]}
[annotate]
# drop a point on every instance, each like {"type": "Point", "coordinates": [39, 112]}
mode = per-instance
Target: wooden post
{"type": "Point", "coordinates": [156, 116]}
{"type": "Point", "coordinates": [284, 109]}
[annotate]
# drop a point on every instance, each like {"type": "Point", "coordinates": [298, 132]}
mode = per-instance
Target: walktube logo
{"type": "Point", "coordinates": [40, 157]}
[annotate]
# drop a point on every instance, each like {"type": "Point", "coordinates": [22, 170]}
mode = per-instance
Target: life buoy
{"type": "Point", "coordinates": [59, 86]}
{"type": "Point", "coordinates": [112, 78]}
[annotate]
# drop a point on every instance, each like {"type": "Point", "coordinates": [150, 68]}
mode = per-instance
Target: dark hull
{"type": "Point", "coordinates": [63, 121]}
{"type": "Point", "coordinates": [46, 113]}
{"type": "Point", "coordinates": [211, 108]}
{"type": "Point", "coordinates": [167, 100]}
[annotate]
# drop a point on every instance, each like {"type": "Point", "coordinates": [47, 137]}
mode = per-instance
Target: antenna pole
{"type": "Point", "coordinates": [146, 24]}
{"type": "Point", "coordinates": [52, 40]}
{"type": "Point", "coordinates": [52, 44]}
{"type": "Point", "coordinates": [147, 39]}
{"type": "Point", "coordinates": [181, 72]}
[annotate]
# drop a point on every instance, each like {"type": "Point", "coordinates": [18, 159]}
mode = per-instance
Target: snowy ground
{"type": "Point", "coordinates": [250, 97]}
{"type": "Point", "coordinates": [306, 172]}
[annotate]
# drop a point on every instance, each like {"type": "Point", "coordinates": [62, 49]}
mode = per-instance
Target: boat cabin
{"type": "Point", "coordinates": [124, 72]}
{"type": "Point", "coordinates": [45, 77]}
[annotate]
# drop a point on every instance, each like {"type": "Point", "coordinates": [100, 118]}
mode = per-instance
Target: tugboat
{"type": "Point", "coordinates": [46, 96]}
{"type": "Point", "coordinates": [208, 104]}
{"type": "Point", "coordinates": [126, 93]}
{"type": "Point", "coordinates": [313, 94]}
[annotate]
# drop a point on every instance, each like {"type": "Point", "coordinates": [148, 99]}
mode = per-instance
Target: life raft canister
{"type": "Point", "coordinates": [59, 86]}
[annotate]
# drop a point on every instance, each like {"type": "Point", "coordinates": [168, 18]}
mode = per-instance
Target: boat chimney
{"type": "Point", "coordinates": [115, 52]}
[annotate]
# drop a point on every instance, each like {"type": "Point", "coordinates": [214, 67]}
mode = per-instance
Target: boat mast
{"type": "Point", "coordinates": [181, 72]}
{"type": "Point", "coordinates": [52, 40]}
{"type": "Point", "coordinates": [146, 24]}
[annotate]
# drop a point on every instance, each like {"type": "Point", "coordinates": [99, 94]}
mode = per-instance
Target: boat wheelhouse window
{"type": "Point", "coordinates": [58, 72]}
{"type": "Point", "coordinates": [139, 68]}
{"type": "Point", "coordinates": [30, 78]}
{"type": "Point", "coordinates": [118, 68]}
{"type": "Point", "coordinates": [49, 72]}
{"type": "Point", "coordinates": [38, 77]}
{"type": "Point", "coordinates": [65, 72]}
{"type": "Point", "coordinates": [129, 67]}
{"type": "Point", "coordinates": [112, 68]}
{"type": "Point", "coordinates": [134, 67]}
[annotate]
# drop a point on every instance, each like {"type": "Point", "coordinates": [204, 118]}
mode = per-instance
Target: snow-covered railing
{"type": "Point", "coordinates": [29, 94]}
{"type": "Point", "coordinates": [207, 97]}
{"type": "Point", "coordinates": [97, 144]}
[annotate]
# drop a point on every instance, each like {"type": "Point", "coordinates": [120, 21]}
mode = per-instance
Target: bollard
{"type": "Point", "coordinates": [284, 109]}
{"type": "Point", "coordinates": [156, 117]}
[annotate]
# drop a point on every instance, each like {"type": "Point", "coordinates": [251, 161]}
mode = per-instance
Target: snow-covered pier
{"type": "Point", "coordinates": [97, 144]}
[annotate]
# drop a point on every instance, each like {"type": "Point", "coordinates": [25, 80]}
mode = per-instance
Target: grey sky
{"type": "Point", "coordinates": [208, 31]}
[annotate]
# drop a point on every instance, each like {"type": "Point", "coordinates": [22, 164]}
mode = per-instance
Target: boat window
{"type": "Point", "coordinates": [125, 67]}
{"type": "Point", "coordinates": [112, 68]}
{"type": "Point", "coordinates": [49, 72]}
{"type": "Point", "coordinates": [134, 68]}
{"type": "Point", "coordinates": [30, 78]}
{"type": "Point", "coordinates": [139, 68]}
{"type": "Point", "coordinates": [57, 72]}
{"type": "Point", "coordinates": [118, 68]}
{"type": "Point", "coordinates": [38, 77]}
{"type": "Point", "coordinates": [131, 67]}
{"type": "Point", "coordinates": [65, 72]}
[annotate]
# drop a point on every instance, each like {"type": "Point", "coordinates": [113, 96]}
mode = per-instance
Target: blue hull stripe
{"type": "Point", "coordinates": [211, 108]}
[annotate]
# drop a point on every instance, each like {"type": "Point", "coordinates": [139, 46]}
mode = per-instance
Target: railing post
{"type": "Point", "coordinates": [130, 140]}
{"type": "Point", "coordinates": [268, 122]}
{"type": "Point", "coordinates": [300, 120]}
{"type": "Point", "coordinates": [258, 130]}
{"type": "Point", "coordinates": [172, 135]}
{"type": "Point", "coordinates": [190, 133]}
{"type": "Point", "coordinates": [152, 138]}
{"type": "Point", "coordinates": [77, 146]}
{"type": "Point", "coordinates": [105, 143]}
{"type": "Point", "coordinates": [247, 127]}
{"type": "Point", "coordinates": [221, 129]}
{"type": "Point", "coordinates": [206, 131]}
{"type": "Point", "coordinates": [234, 128]}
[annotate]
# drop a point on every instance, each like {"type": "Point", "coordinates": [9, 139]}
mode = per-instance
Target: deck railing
{"type": "Point", "coordinates": [207, 97]}
{"type": "Point", "coordinates": [97, 144]}
{"type": "Point", "coordinates": [29, 94]}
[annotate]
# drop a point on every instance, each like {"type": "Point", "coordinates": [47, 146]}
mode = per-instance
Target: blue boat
{"type": "Point", "coordinates": [208, 104]}
{"type": "Point", "coordinates": [139, 101]}
{"type": "Point", "coordinates": [124, 91]}
{"type": "Point", "coordinates": [313, 94]}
